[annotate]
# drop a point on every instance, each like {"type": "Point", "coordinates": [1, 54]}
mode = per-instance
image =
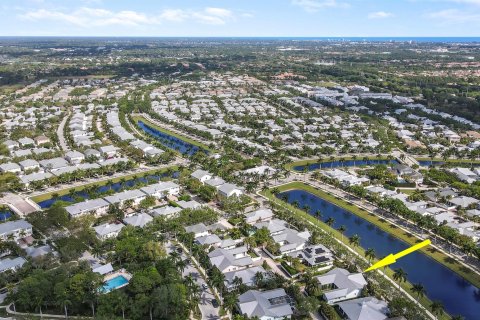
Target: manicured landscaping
{"type": "Point", "coordinates": [174, 134]}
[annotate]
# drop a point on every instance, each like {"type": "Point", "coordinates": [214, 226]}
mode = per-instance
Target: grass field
{"type": "Point", "coordinates": [48, 195]}
{"type": "Point", "coordinates": [174, 134]}
{"type": "Point", "coordinates": [370, 217]}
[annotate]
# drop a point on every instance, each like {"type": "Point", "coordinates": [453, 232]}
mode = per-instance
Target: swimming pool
{"type": "Point", "coordinates": [114, 283]}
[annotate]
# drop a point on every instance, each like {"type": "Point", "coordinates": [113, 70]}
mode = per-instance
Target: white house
{"type": "Point", "coordinates": [108, 230]}
{"type": "Point", "coordinates": [201, 175]}
{"type": "Point", "coordinates": [15, 229]}
{"type": "Point", "coordinates": [339, 284]}
{"type": "Point", "coordinates": [265, 305]}
{"type": "Point", "coordinates": [97, 207]}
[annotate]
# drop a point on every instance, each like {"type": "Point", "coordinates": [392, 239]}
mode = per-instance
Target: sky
{"type": "Point", "coordinates": [241, 18]}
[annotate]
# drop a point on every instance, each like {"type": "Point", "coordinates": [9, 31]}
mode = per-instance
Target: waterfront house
{"type": "Point", "coordinates": [97, 207]}
{"type": "Point", "coordinates": [339, 284]}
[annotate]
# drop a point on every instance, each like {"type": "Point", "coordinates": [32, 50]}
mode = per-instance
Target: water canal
{"type": "Point", "coordinates": [458, 296]}
{"type": "Point", "coordinates": [170, 141]}
{"type": "Point", "coordinates": [78, 196]}
{"type": "Point", "coordinates": [345, 163]}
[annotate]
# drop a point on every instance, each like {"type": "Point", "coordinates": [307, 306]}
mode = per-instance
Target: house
{"type": "Point", "coordinates": [315, 256]}
{"type": "Point", "coordinates": [230, 260]}
{"type": "Point", "coordinates": [97, 207]}
{"type": "Point", "coordinates": [167, 211]}
{"type": "Point", "coordinates": [135, 195]}
{"type": "Point", "coordinates": [227, 190]}
{"type": "Point", "coordinates": [10, 167]}
{"type": "Point", "coordinates": [201, 175]}
{"type": "Point", "coordinates": [15, 230]}
{"type": "Point", "coordinates": [463, 202]}
{"type": "Point", "coordinates": [102, 269]}
{"type": "Point", "coordinates": [265, 305]}
{"type": "Point", "coordinates": [215, 182]}
{"type": "Point", "coordinates": [74, 157]}
{"type": "Point", "coordinates": [108, 151]}
{"type": "Point", "coordinates": [192, 204]}
{"type": "Point", "coordinates": [248, 277]}
{"type": "Point", "coordinates": [368, 308]}
{"type": "Point", "coordinates": [258, 216]}
{"type": "Point", "coordinates": [289, 240]}
{"type": "Point", "coordinates": [198, 230]}
{"type": "Point", "coordinates": [138, 220]}
{"type": "Point", "coordinates": [10, 144]}
{"type": "Point", "coordinates": [11, 264]}
{"type": "Point", "coordinates": [24, 142]}
{"type": "Point", "coordinates": [40, 140]}
{"type": "Point", "coordinates": [35, 252]}
{"type": "Point", "coordinates": [339, 284]}
{"type": "Point", "coordinates": [108, 230]}
{"type": "Point", "coordinates": [53, 164]}
{"type": "Point", "coordinates": [29, 164]}
{"type": "Point", "coordinates": [209, 240]}
{"type": "Point", "coordinates": [465, 174]}
{"type": "Point", "coordinates": [92, 154]}
{"type": "Point", "coordinates": [162, 189]}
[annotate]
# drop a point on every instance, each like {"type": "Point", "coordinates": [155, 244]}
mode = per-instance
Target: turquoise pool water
{"type": "Point", "coordinates": [114, 283]}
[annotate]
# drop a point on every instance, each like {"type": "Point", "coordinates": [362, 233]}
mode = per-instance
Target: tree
{"type": "Point", "coordinates": [342, 230]}
{"type": "Point", "coordinates": [330, 221]}
{"type": "Point", "coordinates": [419, 290]}
{"type": "Point", "coordinates": [370, 254]}
{"type": "Point", "coordinates": [354, 240]}
{"type": "Point", "coordinates": [437, 308]}
{"type": "Point", "coordinates": [400, 276]}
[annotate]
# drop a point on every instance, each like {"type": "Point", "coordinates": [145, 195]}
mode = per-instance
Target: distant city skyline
{"type": "Point", "coordinates": [247, 18]}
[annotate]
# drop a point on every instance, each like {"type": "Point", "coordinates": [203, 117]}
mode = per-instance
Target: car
{"type": "Point", "coordinates": [204, 286]}
{"type": "Point", "coordinates": [215, 303]}
{"type": "Point", "coordinates": [179, 250]}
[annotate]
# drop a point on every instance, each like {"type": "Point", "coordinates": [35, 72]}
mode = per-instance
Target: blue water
{"type": "Point", "coordinates": [346, 163]}
{"type": "Point", "coordinates": [5, 215]}
{"type": "Point", "coordinates": [114, 283]}
{"type": "Point", "coordinates": [458, 296]}
{"type": "Point", "coordinates": [428, 163]}
{"type": "Point", "coordinates": [116, 187]}
{"type": "Point", "coordinates": [170, 141]}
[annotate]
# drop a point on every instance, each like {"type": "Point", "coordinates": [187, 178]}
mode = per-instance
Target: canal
{"type": "Point", "coordinates": [78, 196]}
{"type": "Point", "coordinates": [170, 141]}
{"type": "Point", "coordinates": [345, 163]}
{"type": "Point", "coordinates": [458, 296]}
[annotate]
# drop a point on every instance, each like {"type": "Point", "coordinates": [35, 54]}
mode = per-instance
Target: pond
{"type": "Point", "coordinates": [116, 187]}
{"type": "Point", "coordinates": [345, 163]}
{"type": "Point", "coordinates": [5, 214]}
{"type": "Point", "coordinates": [458, 296]}
{"type": "Point", "coordinates": [428, 163]}
{"type": "Point", "coordinates": [170, 141]}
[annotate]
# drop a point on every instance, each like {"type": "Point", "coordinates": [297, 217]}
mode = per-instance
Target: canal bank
{"type": "Point", "coordinates": [430, 267]}
{"type": "Point", "coordinates": [175, 139]}
{"type": "Point", "coordinates": [64, 192]}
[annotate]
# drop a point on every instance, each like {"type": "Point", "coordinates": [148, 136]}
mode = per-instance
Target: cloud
{"type": "Point", "coordinates": [90, 17]}
{"type": "Point", "coordinates": [95, 17]}
{"type": "Point", "coordinates": [316, 5]}
{"type": "Point", "coordinates": [380, 15]}
{"type": "Point", "coordinates": [453, 16]}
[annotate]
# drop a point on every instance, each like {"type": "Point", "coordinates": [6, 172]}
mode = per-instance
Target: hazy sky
{"type": "Point", "coordinates": [361, 18]}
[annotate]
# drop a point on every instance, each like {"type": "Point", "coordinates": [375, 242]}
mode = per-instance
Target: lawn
{"type": "Point", "coordinates": [174, 134]}
{"type": "Point", "coordinates": [48, 195]}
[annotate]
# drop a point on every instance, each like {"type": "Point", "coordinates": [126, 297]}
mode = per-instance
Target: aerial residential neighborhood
{"type": "Point", "coordinates": [238, 178]}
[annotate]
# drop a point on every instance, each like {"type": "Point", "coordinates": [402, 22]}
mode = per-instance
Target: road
{"type": "Point", "coordinates": [206, 308]}
{"type": "Point", "coordinates": [61, 137]}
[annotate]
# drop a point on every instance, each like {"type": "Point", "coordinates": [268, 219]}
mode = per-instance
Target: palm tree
{"type": "Point", "coordinates": [437, 308]}
{"type": "Point", "coordinates": [419, 291]}
{"type": "Point", "coordinates": [330, 221]}
{"type": "Point", "coordinates": [318, 214]}
{"type": "Point", "coordinates": [354, 240]}
{"type": "Point", "coordinates": [399, 275]}
{"type": "Point", "coordinates": [370, 254]}
{"type": "Point", "coordinates": [342, 230]}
